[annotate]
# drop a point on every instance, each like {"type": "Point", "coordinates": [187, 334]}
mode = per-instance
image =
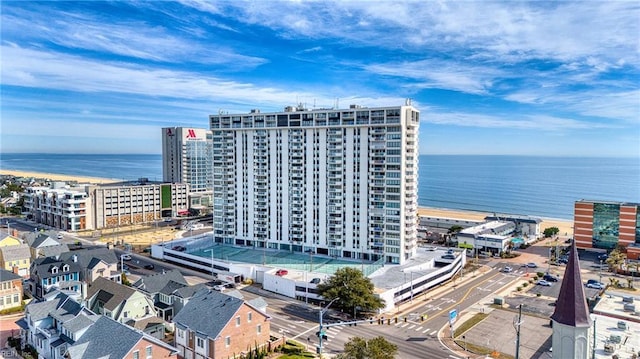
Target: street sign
{"type": "Point", "coordinates": [453, 314]}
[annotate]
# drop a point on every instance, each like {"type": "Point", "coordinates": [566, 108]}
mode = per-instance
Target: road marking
{"type": "Point", "coordinates": [405, 324]}
{"type": "Point", "coordinates": [397, 324]}
{"type": "Point", "coordinates": [425, 331]}
{"type": "Point", "coordinates": [411, 327]}
{"type": "Point", "coordinates": [454, 357]}
{"type": "Point", "coordinates": [418, 329]}
{"type": "Point", "coordinates": [292, 326]}
{"type": "Point", "coordinates": [433, 333]}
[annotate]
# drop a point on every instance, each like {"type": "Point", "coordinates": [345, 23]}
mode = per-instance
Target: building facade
{"type": "Point", "coordinates": [10, 290]}
{"type": "Point", "coordinates": [134, 202]}
{"type": "Point", "coordinates": [58, 206]}
{"type": "Point", "coordinates": [341, 183]}
{"type": "Point", "coordinates": [605, 225]}
{"type": "Point", "coordinates": [187, 158]}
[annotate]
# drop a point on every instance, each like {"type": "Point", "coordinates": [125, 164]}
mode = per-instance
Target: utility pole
{"type": "Point", "coordinates": [593, 350]}
{"type": "Point", "coordinates": [517, 323]}
{"type": "Point", "coordinates": [320, 333]}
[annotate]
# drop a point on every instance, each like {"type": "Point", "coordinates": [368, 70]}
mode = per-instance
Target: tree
{"type": "Point", "coordinates": [550, 232]}
{"type": "Point", "coordinates": [455, 229]}
{"type": "Point", "coordinates": [616, 258]}
{"type": "Point", "coordinates": [354, 290]}
{"type": "Point", "coordinates": [376, 348]}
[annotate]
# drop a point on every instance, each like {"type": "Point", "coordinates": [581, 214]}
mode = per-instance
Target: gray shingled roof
{"type": "Point", "coordinates": [109, 292]}
{"type": "Point", "coordinates": [5, 275]}
{"type": "Point", "coordinates": [571, 306]}
{"type": "Point", "coordinates": [171, 287]}
{"type": "Point", "coordinates": [13, 253]}
{"type": "Point", "coordinates": [99, 341]}
{"type": "Point", "coordinates": [156, 282]}
{"type": "Point", "coordinates": [85, 256]}
{"type": "Point", "coordinates": [80, 322]}
{"type": "Point", "coordinates": [53, 251]}
{"type": "Point", "coordinates": [42, 267]}
{"type": "Point", "coordinates": [208, 312]}
{"type": "Point", "coordinates": [41, 238]}
{"type": "Point", "coordinates": [41, 310]}
{"type": "Point", "coordinates": [188, 292]}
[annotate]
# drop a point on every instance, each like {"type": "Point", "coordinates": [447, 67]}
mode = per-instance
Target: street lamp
{"type": "Point", "coordinates": [212, 274]}
{"type": "Point", "coordinates": [320, 314]}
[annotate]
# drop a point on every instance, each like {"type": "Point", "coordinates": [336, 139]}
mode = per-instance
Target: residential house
{"type": "Point", "coordinates": [159, 287]}
{"type": "Point", "coordinates": [10, 290]}
{"type": "Point", "coordinates": [50, 273]}
{"type": "Point", "coordinates": [108, 339]}
{"type": "Point", "coordinates": [118, 301]}
{"type": "Point", "coordinates": [99, 262]}
{"type": "Point", "coordinates": [43, 245]}
{"type": "Point", "coordinates": [215, 325]}
{"type": "Point", "coordinates": [16, 259]}
{"type": "Point", "coordinates": [53, 325]}
{"type": "Point", "coordinates": [9, 240]}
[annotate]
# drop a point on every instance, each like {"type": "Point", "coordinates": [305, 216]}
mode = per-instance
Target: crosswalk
{"type": "Point", "coordinates": [417, 328]}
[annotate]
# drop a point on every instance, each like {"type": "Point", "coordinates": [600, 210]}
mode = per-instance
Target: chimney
{"type": "Point", "coordinates": [74, 258]}
{"type": "Point", "coordinates": [83, 290]}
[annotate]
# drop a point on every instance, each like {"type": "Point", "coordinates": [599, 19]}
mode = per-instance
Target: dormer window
{"type": "Point", "coordinates": [54, 270]}
{"type": "Point", "coordinates": [65, 268]}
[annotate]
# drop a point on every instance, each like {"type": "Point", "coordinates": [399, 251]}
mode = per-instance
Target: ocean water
{"type": "Point", "coordinates": [538, 186]}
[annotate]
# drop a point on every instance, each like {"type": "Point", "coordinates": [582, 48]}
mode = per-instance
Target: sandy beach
{"type": "Point", "coordinates": [56, 177]}
{"type": "Point", "coordinates": [564, 225]}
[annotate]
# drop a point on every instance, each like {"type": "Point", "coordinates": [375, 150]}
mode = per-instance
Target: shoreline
{"type": "Point", "coordinates": [56, 176]}
{"type": "Point", "coordinates": [565, 225]}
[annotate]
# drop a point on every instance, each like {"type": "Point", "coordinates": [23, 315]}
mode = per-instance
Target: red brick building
{"type": "Point", "coordinates": [214, 325]}
{"type": "Point", "coordinates": [604, 225]}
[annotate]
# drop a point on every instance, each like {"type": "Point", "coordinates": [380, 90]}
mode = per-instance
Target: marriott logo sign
{"type": "Point", "coordinates": [191, 133]}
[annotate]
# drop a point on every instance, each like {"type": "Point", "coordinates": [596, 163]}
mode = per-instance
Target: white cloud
{"type": "Point", "coordinates": [137, 39]}
{"type": "Point", "coordinates": [521, 122]}
{"type": "Point", "coordinates": [608, 103]}
{"type": "Point", "coordinates": [435, 73]}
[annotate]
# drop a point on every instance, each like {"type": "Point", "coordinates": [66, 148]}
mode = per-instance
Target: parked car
{"type": "Point", "coordinates": [126, 257]}
{"type": "Point", "coordinates": [592, 283]}
{"type": "Point", "coordinates": [179, 248]}
{"type": "Point", "coordinates": [448, 256]}
{"type": "Point", "coordinates": [59, 236]}
{"type": "Point", "coordinates": [315, 281]}
{"type": "Point", "coordinates": [532, 265]}
{"type": "Point", "coordinates": [603, 257]}
{"type": "Point", "coordinates": [282, 272]}
{"type": "Point", "coordinates": [568, 240]}
{"type": "Point", "coordinates": [544, 283]}
{"type": "Point", "coordinates": [595, 285]}
{"type": "Point", "coordinates": [550, 278]}
{"type": "Point", "coordinates": [507, 269]}
{"type": "Point", "coordinates": [149, 266]}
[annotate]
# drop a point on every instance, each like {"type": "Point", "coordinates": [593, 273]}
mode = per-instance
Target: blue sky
{"type": "Point", "coordinates": [520, 78]}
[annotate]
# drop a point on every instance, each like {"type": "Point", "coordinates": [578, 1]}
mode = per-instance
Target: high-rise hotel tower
{"type": "Point", "coordinates": [186, 158]}
{"type": "Point", "coordinates": [334, 182]}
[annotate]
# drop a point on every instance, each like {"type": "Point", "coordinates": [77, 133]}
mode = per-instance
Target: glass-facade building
{"type": "Point", "coordinates": [187, 158]}
{"type": "Point", "coordinates": [605, 225]}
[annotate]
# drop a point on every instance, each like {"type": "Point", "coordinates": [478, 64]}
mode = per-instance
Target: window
{"type": "Point", "coordinates": [180, 333]}
{"type": "Point", "coordinates": [227, 341]}
{"type": "Point", "coordinates": [249, 317]}
{"type": "Point", "coordinates": [136, 354]}
{"type": "Point", "coordinates": [148, 350]}
{"type": "Point", "coordinates": [259, 328]}
{"type": "Point", "coordinates": [237, 321]}
{"type": "Point", "coordinates": [200, 342]}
